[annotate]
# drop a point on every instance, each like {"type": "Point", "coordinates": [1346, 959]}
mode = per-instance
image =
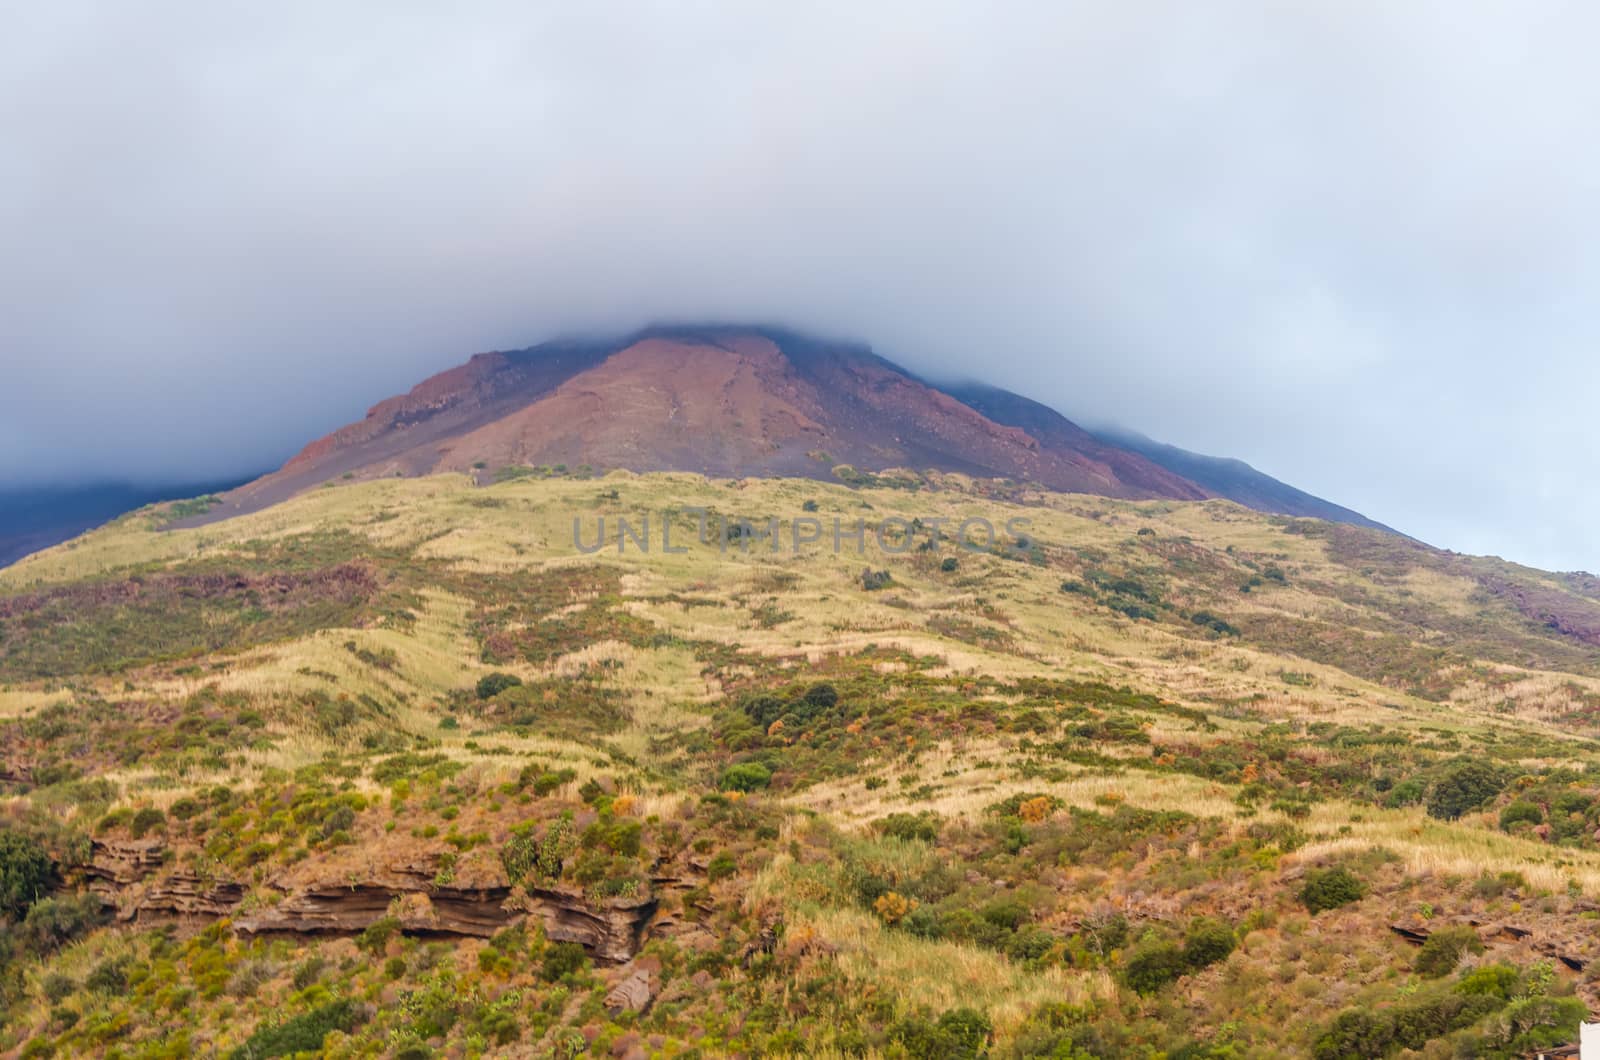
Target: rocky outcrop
{"type": "Point", "coordinates": [119, 863]}
{"type": "Point", "coordinates": [612, 930]}
{"type": "Point", "coordinates": [133, 877]}
{"type": "Point", "coordinates": [633, 993]}
{"type": "Point", "coordinates": [342, 909]}
{"type": "Point", "coordinates": [121, 872]}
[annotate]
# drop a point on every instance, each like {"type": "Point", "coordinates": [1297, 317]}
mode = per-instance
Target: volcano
{"type": "Point", "coordinates": [733, 401]}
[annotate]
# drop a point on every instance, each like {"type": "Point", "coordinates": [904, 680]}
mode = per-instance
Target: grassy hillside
{"type": "Point", "coordinates": [396, 769]}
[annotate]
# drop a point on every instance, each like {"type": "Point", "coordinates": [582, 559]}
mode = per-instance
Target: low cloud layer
{"type": "Point", "coordinates": [1353, 244]}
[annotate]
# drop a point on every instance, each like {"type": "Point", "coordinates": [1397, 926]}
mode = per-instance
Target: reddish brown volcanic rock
{"type": "Point", "coordinates": [720, 401]}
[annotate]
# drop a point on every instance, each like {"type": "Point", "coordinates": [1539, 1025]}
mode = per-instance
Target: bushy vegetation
{"type": "Point", "coordinates": [1326, 889]}
{"type": "Point", "coordinates": [26, 871]}
{"type": "Point", "coordinates": [304, 1033]}
{"type": "Point", "coordinates": [1444, 949]}
{"type": "Point", "coordinates": [1464, 787]}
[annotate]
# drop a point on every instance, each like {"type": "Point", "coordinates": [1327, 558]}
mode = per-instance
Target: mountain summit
{"type": "Point", "coordinates": [727, 401]}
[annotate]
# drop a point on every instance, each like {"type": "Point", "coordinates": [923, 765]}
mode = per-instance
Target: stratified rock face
{"type": "Point", "coordinates": [335, 909]}
{"type": "Point", "coordinates": [612, 931]}
{"type": "Point", "coordinates": [132, 877]}
{"type": "Point", "coordinates": [122, 874]}
{"type": "Point", "coordinates": [717, 400]}
{"type": "Point", "coordinates": [122, 863]}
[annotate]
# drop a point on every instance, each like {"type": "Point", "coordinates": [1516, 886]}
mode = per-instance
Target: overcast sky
{"type": "Point", "coordinates": [1355, 244]}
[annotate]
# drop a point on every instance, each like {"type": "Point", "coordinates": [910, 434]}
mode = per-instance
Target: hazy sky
{"type": "Point", "coordinates": [1356, 244]}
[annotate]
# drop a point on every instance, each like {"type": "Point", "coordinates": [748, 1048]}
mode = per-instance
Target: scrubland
{"type": "Point", "coordinates": [361, 773]}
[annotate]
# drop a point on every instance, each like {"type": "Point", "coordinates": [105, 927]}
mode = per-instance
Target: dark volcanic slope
{"type": "Point", "coordinates": [1233, 479]}
{"type": "Point", "coordinates": [726, 401]}
{"type": "Point", "coordinates": [38, 517]}
{"type": "Point", "coordinates": [1237, 481]}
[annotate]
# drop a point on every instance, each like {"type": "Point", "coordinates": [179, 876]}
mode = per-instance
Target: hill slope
{"type": "Point", "coordinates": [403, 767]}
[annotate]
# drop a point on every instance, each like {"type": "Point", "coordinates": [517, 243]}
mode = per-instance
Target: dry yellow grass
{"type": "Point", "coordinates": [945, 975]}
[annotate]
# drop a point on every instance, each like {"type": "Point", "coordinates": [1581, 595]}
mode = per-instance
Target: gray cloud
{"type": "Point", "coordinates": [1354, 244]}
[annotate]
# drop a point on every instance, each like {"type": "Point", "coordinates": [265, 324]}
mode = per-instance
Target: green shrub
{"type": "Point", "coordinates": [1331, 888]}
{"type": "Point", "coordinates": [519, 855]}
{"type": "Point", "coordinates": [302, 1034]}
{"type": "Point", "coordinates": [339, 819]}
{"type": "Point", "coordinates": [950, 564]}
{"type": "Point", "coordinates": [1443, 950]}
{"type": "Point", "coordinates": [1495, 886]}
{"type": "Point", "coordinates": [377, 934]}
{"type": "Point", "coordinates": [492, 685]}
{"type": "Point", "coordinates": [544, 781]}
{"type": "Point", "coordinates": [53, 922]}
{"type": "Point", "coordinates": [57, 987]}
{"type": "Point", "coordinates": [1007, 913]}
{"type": "Point", "coordinates": [1494, 980]}
{"type": "Point", "coordinates": [1534, 1024]}
{"type": "Point", "coordinates": [1153, 965]}
{"type": "Point", "coordinates": [1405, 793]}
{"type": "Point", "coordinates": [721, 867]}
{"type": "Point", "coordinates": [1207, 942]}
{"type": "Point", "coordinates": [1212, 622]}
{"type": "Point", "coordinates": [562, 959]}
{"type": "Point", "coordinates": [146, 821]}
{"type": "Point", "coordinates": [308, 971]}
{"type": "Point", "coordinates": [1570, 802]}
{"type": "Point", "coordinates": [1369, 1033]}
{"type": "Point", "coordinates": [1466, 787]}
{"type": "Point", "coordinates": [921, 826]}
{"type": "Point", "coordinates": [109, 977]}
{"type": "Point", "coordinates": [746, 777]}
{"type": "Point", "coordinates": [26, 872]}
{"type": "Point", "coordinates": [959, 1034]}
{"type": "Point", "coordinates": [873, 580]}
{"type": "Point", "coordinates": [1520, 812]}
